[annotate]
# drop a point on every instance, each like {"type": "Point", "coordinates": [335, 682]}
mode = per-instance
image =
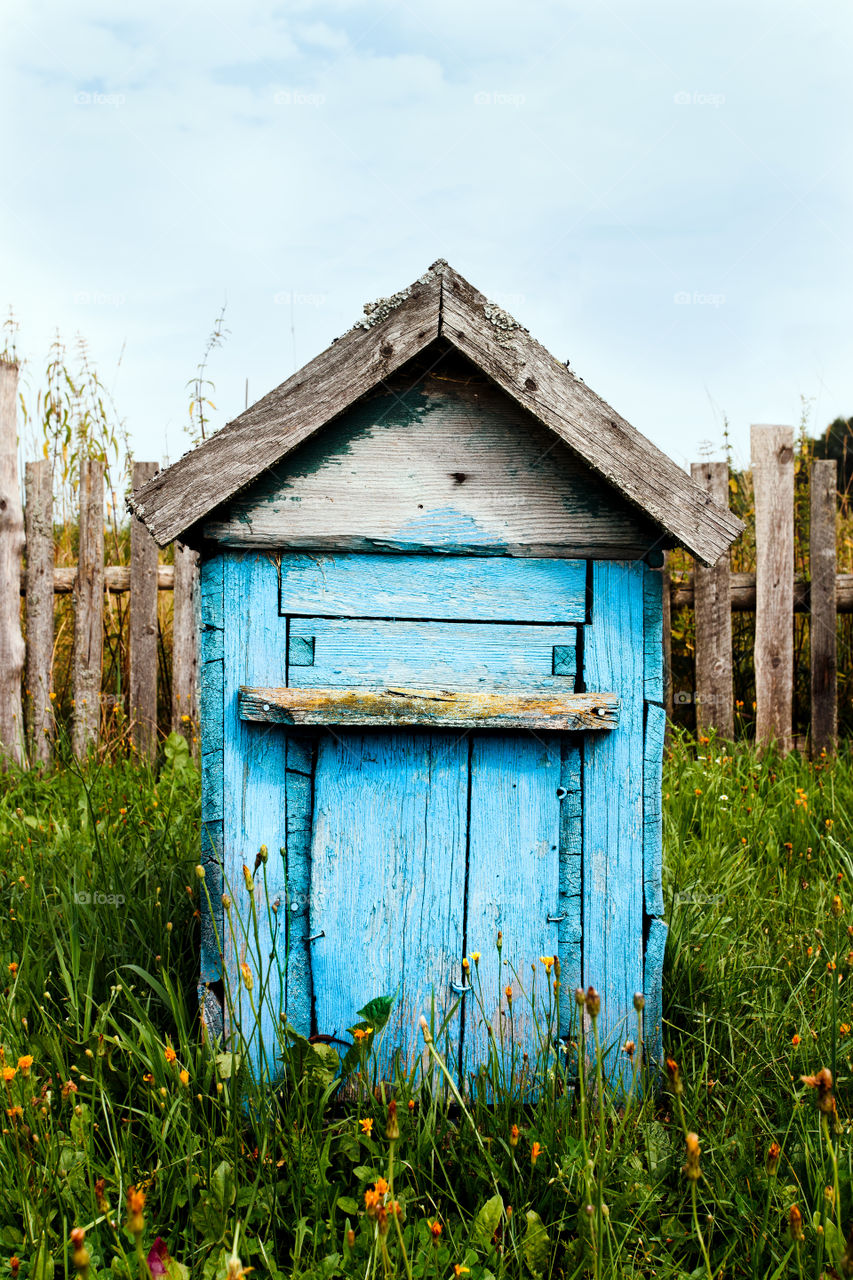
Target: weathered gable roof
{"type": "Point", "coordinates": [441, 304]}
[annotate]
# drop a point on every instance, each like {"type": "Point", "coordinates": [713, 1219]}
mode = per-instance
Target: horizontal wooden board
{"type": "Point", "coordinates": [448, 464]}
{"type": "Point", "coordinates": [742, 593]}
{"type": "Point", "coordinates": [354, 653]}
{"type": "Point", "coordinates": [437, 708]}
{"type": "Point", "coordinates": [452, 588]}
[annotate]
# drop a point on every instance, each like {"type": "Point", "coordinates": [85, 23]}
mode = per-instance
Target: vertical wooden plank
{"type": "Point", "coordinates": [823, 622]}
{"type": "Point", "coordinates": [254, 807]}
{"type": "Point", "coordinates": [613, 801]}
{"type": "Point", "coordinates": [513, 886]}
{"type": "Point", "coordinates": [652, 809]}
{"type": "Point", "coordinates": [11, 550]}
{"type": "Point", "coordinates": [653, 672]}
{"type": "Point", "coordinates": [773, 484]}
{"type": "Point", "coordinates": [570, 905]}
{"type": "Point", "coordinates": [713, 615]}
{"type": "Point", "coordinates": [666, 634]}
{"type": "Point", "coordinates": [388, 881]}
{"type": "Point", "coordinates": [211, 586]}
{"type": "Point", "coordinates": [299, 811]}
{"type": "Point", "coordinates": [185, 643]}
{"type": "Point", "coordinates": [40, 560]}
{"type": "Point", "coordinates": [88, 642]}
{"type": "Point", "coordinates": [653, 991]}
{"type": "Point", "coordinates": [143, 626]}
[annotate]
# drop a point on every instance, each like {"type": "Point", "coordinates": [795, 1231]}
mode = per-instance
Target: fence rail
{"type": "Point", "coordinates": [772, 593]}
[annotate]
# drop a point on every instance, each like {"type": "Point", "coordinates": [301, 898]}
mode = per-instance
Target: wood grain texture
{"type": "Point", "coordinates": [353, 653]}
{"type": "Point", "coordinates": [185, 642]}
{"type": "Point", "coordinates": [116, 579]}
{"type": "Point", "coordinates": [353, 365]}
{"type": "Point", "coordinates": [38, 483]}
{"type": "Point", "coordinates": [773, 483]}
{"type": "Point", "coordinates": [513, 886]}
{"type": "Point", "coordinates": [88, 642]}
{"type": "Point", "coordinates": [143, 627]}
{"type": "Point", "coordinates": [254, 805]}
{"type": "Point", "coordinates": [603, 439]}
{"type": "Point", "coordinates": [299, 816]}
{"type": "Point", "coordinates": [211, 733]}
{"type": "Point", "coordinates": [653, 808]}
{"type": "Point", "coordinates": [743, 593]}
{"type": "Point", "coordinates": [449, 464]}
{"type": "Point", "coordinates": [211, 725]}
{"type": "Point", "coordinates": [388, 881]}
{"type": "Point", "coordinates": [441, 304]}
{"type": "Point", "coordinates": [653, 990]}
{"type": "Point", "coordinates": [441, 708]}
{"type": "Point", "coordinates": [823, 627]}
{"type": "Point", "coordinates": [455, 588]}
{"type": "Point", "coordinates": [570, 900]}
{"type": "Point", "coordinates": [11, 550]}
{"type": "Point", "coordinates": [653, 670]}
{"type": "Point", "coordinates": [666, 634]}
{"type": "Point", "coordinates": [613, 832]}
{"type": "Point", "coordinates": [713, 620]}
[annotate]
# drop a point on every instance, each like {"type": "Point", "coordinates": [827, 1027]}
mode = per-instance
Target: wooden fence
{"type": "Point", "coordinates": [27, 724]}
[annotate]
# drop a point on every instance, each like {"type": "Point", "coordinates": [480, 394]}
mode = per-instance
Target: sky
{"type": "Point", "coordinates": [660, 193]}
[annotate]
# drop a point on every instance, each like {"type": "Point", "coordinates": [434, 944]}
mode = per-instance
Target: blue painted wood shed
{"type": "Point", "coordinates": [431, 678]}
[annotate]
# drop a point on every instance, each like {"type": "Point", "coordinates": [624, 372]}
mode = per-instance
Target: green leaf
{"type": "Point", "coordinates": [346, 1204]}
{"type": "Point", "coordinates": [377, 1011]}
{"type": "Point", "coordinates": [176, 1270]}
{"type": "Point", "coordinates": [836, 1245]}
{"type": "Point", "coordinates": [222, 1185]}
{"type": "Point", "coordinates": [227, 1064]}
{"type": "Point", "coordinates": [537, 1246]}
{"type": "Point", "coordinates": [486, 1222]}
{"type": "Point", "coordinates": [42, 1265]}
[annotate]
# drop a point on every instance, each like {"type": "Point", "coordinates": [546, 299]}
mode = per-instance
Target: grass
{"type": "Point", "coordinates": [126, 1125]}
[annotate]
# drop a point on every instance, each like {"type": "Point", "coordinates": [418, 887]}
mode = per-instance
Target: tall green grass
{"type": "Point", "coordinates": [98, 972]}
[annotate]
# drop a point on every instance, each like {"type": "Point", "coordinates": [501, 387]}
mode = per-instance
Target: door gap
{"type": "Point", "coordinates": [463, 1010]}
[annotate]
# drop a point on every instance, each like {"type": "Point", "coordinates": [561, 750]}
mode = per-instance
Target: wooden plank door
{"type": "Point", "coordinates": [388, 882]}
{"type": "Point", "coordinates": [425, 843]}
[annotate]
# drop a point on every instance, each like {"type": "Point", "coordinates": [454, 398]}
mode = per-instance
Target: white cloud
{"type": "Point", "coordinates": [591, 161]}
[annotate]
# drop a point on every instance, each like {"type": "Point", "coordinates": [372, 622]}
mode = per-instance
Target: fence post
{"type": "Point", "coordinates": [143, 626]}
{"type": "Point", "coordinates": [773, 484]}
{"type": "Point", "coordinates": [38, 482]}
{"type": "Point", "coordinates": [713, 617]}
{"type": "Point", "coordinates": [88, 645]}
{"type": "Point", "coordinates": [185, 643]}
{"type": "Point", "coordinates": [823, 643]}
{"type": "Point", "coordinates": [11, 550]}
{"type": "Point", "coordinates": [666, 602]}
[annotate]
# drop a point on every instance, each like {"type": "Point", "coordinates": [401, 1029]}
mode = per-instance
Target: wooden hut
{"type": "Point", "coordinates": [432, 680]}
